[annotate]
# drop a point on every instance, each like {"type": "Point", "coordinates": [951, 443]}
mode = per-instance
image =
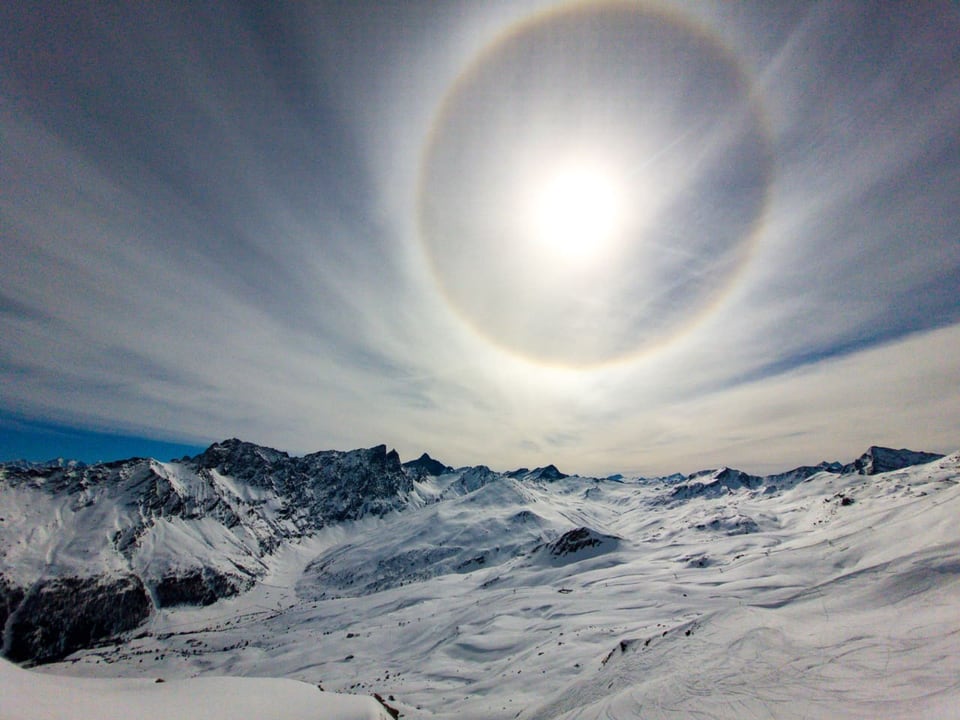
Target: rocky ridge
{"type": "Point", "coordinates": [88, 552]}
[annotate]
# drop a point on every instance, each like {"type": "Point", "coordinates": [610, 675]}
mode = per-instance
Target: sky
{"type": "Point", "coordinates": [640, 237]}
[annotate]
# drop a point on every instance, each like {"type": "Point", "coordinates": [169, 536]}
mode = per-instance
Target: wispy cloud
{"type": "Point", "coordinates": [209, 223]}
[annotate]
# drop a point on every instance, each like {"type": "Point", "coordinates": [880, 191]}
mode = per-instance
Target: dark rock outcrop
{"type": "Point", "coordinates": [59, 615]}
{"type": "Point", "coordinates": [426, 465]}
{"type": "Point", "coordinates": [10, 598]}
{"type": "Point", "coordinates": [325, 487]}
{"type": "Point", "coordinates": [580, 543]}
{"type": "Point", "coordinates": [250, 498]}
{"type": "Point", "coordinates": [247, 462]}
{"type": "Point", "coordinates": [200, 586]}
{"type": "Point", "coordinates": [733, 525]}
{"type": "Point", "coordinates": [550, 472]}
{"type": "Point", "coordinates": [882, 459]}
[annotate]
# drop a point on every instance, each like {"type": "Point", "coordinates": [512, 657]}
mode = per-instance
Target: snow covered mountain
{"type": "Point", "coordinates": [87, 552]}
{"type": "Point", "coordinates": [475, 593]}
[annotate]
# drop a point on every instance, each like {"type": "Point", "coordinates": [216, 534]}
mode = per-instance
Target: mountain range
{"type": "Point", "coordinates": [474, 593]}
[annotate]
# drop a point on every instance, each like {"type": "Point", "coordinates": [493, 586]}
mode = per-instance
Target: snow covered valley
{"type": "Point", "coordinates": [825, 592]}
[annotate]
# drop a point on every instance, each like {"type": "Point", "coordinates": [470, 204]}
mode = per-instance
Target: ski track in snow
{"type": "Point", "coordinates": [750, 604]}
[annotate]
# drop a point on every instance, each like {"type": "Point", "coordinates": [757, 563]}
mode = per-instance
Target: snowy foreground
{"type": "Point", "coordinates": [32, 696]}
{"type": "Point", "coordinates": [821, 596]}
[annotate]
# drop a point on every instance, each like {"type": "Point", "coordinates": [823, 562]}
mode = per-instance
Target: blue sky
{"type": "Point", "coordinates": [321, 225]}
{"type": "Point", "coordinates": [39, 441]}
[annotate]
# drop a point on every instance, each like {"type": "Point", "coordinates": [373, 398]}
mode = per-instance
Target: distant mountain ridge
{"type": "Point", "coordinates": [882, 459]}
{"type": "Point", "coordinates": [87, 552]}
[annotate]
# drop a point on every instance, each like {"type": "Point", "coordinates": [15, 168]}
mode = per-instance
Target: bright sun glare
{"type": "Point", "coordinates": [576, 211]}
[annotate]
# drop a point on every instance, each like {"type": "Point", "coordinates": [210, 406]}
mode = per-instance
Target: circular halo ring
{"type": "Point", "coordinates": [514, 33]}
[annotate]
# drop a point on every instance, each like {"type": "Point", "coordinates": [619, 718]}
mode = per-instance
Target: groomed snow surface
{"type": "Point", "coordinates": [830, 596]}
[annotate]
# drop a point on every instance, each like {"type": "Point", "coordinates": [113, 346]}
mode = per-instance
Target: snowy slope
{"type": "Point", "coordinates": [823, 592]}
{"type": "Point", "coordinates": [73, 537]}
{"type": "Point", "coordinates": [31, 696]}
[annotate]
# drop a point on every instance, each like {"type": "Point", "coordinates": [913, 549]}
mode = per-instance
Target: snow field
{"type": "Point", "coordinates": [34, 696]}
{"type": "Point", "coordinates": [833, 597]}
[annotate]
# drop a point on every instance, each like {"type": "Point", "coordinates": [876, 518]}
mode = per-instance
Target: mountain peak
{"type": "Point", "coordinates": [549, 472]}
{"type": "Point", "coordinates": [378, 456]}
{"type": "Point", "coordinates": [879, 459]}
{"type": "Point", "coordinates": [231, 454]}
{"type": "Point", "coordinates": [426, 465]}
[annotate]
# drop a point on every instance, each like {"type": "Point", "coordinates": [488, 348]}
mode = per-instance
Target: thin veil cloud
{"type": "Point", "coordinates": [209, 229]}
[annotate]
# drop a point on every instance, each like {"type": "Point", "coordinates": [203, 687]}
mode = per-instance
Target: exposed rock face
{"type": "Point", "coordinates": [882, 459]}
{"type": "Point", "coordinates": [325, 487]}
{"type": "Point", "coordinates": [244, 461]}
{"type": "Point", "coordinates": [126, 536]}
{"type": "Point", "coordinates": [426, 465]}
{"type": "Point", "coordinates": [730, 525]}
{"type": "Point", "coordinates": [59, 615]}
{"type": "Point", "coordinates": [711, 483]}
{"type": "Point", "coordinates": [10, 598]}
{"type": "Point", "coordinates": [350, 485]}
{"type": "Point", "coordinates": [582, 542]}
{"type": "Point", "coordinates": [110, 542]}
{"type": "Point", "coordinates": [474, 478]}
{"type": "Point", "coordinates": [550, 472]}
{"type": "Point", "coordinates": [200, 586]}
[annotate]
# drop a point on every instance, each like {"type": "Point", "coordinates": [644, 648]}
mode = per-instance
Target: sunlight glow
{"type": "Point", "coordinates": [576, 210]}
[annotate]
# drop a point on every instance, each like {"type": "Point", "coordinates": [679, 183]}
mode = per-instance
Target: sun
{"type": "Point", "coordinates": [576, 210]}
